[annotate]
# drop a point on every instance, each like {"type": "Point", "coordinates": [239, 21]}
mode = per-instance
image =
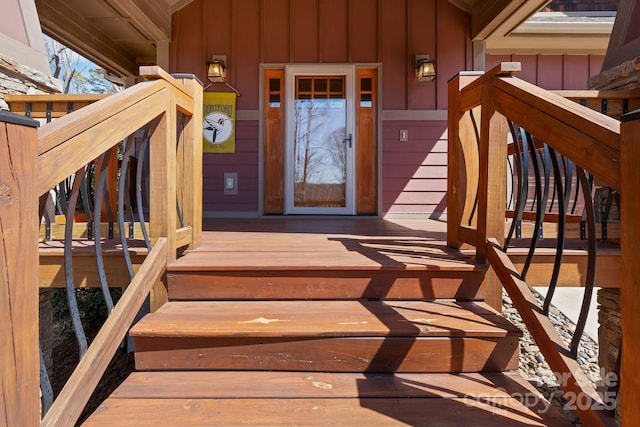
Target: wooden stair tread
{"type": "Point", "coordinates": [207, 261]}
{"type": "Point", "coordinates": [300, 398]}
{"type": "Point", "coordinates": [323, 319]}
{"type": "Point", "coordinates": [302, 251]}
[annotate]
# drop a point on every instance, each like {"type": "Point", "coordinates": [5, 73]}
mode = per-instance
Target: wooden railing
{"type": "Point", "coordinates": [31, 163]}
{"type": "Point", "coordinates": [594, 142]}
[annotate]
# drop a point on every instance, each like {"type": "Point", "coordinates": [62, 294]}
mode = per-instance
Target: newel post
{"type": "Point", "coordinates": [192, 155]}
{"type": "Point", "coordinates": [19, 354]}
{"type": "Point", "coordinates": [492, 188]}
{"type": "Point", "coordinates": [630, 248]}
{"type": "Point", "coordinates": [462, 158]}
{"type": "Point", "coordinates": [163, 217]}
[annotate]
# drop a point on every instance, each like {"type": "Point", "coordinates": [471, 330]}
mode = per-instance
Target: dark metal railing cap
{"type": "Point", "coordinates": [187, 76]}
{"type": "Point", "coordinates": [17, 119]}
{"type": "Point", "coordinates": [632, 115]}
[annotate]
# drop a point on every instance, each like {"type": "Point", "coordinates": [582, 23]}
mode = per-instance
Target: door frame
{"type": "Point", "coordinates": [290, 74]}
{"type": "Point", "coordinates": [271, 138]}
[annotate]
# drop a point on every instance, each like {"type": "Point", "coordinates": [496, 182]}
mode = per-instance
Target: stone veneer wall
{"type": "Point", "coordinates": [19, 79]}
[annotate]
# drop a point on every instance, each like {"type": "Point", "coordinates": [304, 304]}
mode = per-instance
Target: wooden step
{"type": "Point", "coordinates": [189, 398]}
{"type": "Point", "coordinates": [336, 336]}
{"type": "Point", "coordinates": [324, 259]}
{"type": "Point", "coordinates": [243, 283]}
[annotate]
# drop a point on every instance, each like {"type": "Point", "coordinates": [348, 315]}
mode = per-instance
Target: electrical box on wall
{"type": "Point", "coordinates": [230, 183]}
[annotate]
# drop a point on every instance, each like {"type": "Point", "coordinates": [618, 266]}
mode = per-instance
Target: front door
{"type": "Point", "coordinates": [319, 140]}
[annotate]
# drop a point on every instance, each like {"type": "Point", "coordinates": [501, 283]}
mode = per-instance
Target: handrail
{"type": "Point", "coordinates": [477, 183]}
{"type": "Point", "coordinates": [556, 352]}
{"type": "Point", "coordinates": [170, 109]}
{"type": "Point", "coordinates": [74, 396]}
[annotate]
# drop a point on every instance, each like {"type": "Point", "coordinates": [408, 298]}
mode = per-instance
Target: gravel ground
{"type": "Point", "coordinates": [535, 368]}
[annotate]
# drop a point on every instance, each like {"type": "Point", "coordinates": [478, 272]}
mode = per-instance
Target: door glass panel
{"type": "Point", "coordinates": [320, 142]}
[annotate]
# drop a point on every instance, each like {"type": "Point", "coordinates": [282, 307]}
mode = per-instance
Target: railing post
{"type": "Point", "coordinates": [19, 360]}
{"type": "Point", "coordinates": [630, 248]}
{"type": "Point", "coordinates": [162, 204]}
{"type": "Point", "coordinates": [492, 188]}
{"type": "Point", "coordinates": [192, 179]}
{"type": "Point", "coordinates": [462, 150]}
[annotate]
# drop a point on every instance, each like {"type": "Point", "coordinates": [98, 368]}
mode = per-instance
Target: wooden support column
{"type": "Point", "coordinates": [19, 301]}
{"type": "Point", "coordinates": [492, 182]}
{"type": "Point", "coordinates": [192, 168]}
{"type": "Point", "coordinates": [162, 204]}
{"type": "Point", "coordinates": [630, 286]}
{"type": "Point", "coordinates": [460, 145]}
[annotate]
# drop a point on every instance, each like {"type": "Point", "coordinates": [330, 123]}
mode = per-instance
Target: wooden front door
{"type": "Point", "coordinates": [320, 152]}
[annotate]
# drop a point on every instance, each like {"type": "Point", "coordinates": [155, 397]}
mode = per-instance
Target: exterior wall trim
{"type": "Point", "coordinates": [418, 115]}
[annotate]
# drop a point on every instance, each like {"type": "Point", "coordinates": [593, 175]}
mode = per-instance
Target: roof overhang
{"type": "Point", "coordinates": [497, 18]}
{"type": "Point", "coordinates": [121, 35]}
{"type": "Point", "coordinates": [118, 35]}
{"type": "Point", "coordinates": [585, 33]}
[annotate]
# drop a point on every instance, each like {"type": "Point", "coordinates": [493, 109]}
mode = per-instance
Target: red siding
{"type": "Point", "coordinates": [244, 162]}
{"type": "Point", "coordinates": [414, 172]}
{"type": "Point", "coordinates": [390, 32]}
{"type": "Point", "coordinates": [554, 72]}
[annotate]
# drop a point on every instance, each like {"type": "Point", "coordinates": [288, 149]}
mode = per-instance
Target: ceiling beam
{"type": "Point", "coordinates": [62, 23]}
{"type": "Point", "coordinates": [498, 18]}
{"type": "Point", "coordinates": [153, 21]}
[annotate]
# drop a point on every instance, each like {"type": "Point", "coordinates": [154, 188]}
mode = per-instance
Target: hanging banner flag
{"type": "Point", "coordinates": [219, 122]}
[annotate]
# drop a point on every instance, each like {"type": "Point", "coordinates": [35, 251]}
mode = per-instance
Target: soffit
{"type": "Point", "coordinates": [120, 35]}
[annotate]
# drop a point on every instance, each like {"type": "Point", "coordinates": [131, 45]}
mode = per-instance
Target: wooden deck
{"type": "Point", "coordinates": [323, 321]}
{"type": "Point", "coordinates": [325, 258]}
{"type": "Point", "coordinates": [294, 243]}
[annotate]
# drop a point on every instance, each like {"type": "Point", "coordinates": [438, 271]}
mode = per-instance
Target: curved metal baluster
{"type": "Point", "coordinates": [45, 386]}
{"type": "Point", "coordinates": [591, 259]}
{"type": "Point", "coordinates": [512, 174]}
{"type": "Point", "coordinates": [107, 199]}
{"type": "Point", "coordinates": [122, 184]}
{"type": "Point", "coordinates": [477, 133]}
{"type": "Point", "coordinates": [180, 133]}
{"type": "Point", "coordinates": [100, 193]}
{"type": "Point", "coordinates": [604, 218]}
{"type": "Point", "coordinates": [139, 175]}
{"type": "Point", "coordinates": [521, 195]}
{"type": "Point", "coordinates": [562, 212]}
{"type": "Point", "coordinates": [546, 162]}
{"type": "Point", "coordinates": [68, 265]}
{"type": "Point", "coordinates": [576, 195]}
{"type": "Point", "coordinates": [85, 192]}
{"type": "Point", "coordinates": [539, 207]}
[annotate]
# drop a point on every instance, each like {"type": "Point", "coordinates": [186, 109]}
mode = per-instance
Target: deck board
{"type": "Point", "coordinates": [328, 243]}
{"type": "Point", "coordinates": [322, 319]}
{"type": "Point", "coordinates": [288, 399]}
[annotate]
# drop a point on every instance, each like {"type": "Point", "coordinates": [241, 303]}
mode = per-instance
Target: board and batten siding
{"type": "Point", "coordinates": [385, 32]}
{"type": "Point", "coordinates": [553, 72]}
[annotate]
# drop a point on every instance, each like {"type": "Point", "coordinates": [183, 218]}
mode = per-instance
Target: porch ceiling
{"type": "Point", "coordinates": [120, 35]}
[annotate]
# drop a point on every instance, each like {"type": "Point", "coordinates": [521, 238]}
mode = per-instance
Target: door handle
{"type": "Point", "coordinates": [350, 139]}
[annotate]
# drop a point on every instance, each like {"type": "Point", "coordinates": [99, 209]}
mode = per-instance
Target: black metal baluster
{"type": "Point", "coordinates": [591, 259]}
{"type": "Point", "coordinates": [522, 186]}
{"type": "Point", "coordinates": [100, 194]}
{"type": "Point", "coordinates": [562, 212]}
{"type": "Point", "coordinates": [539, 207]}
{"type": "Point", "coordinates": [139, 175]}
{"type": "Point", "coordinates": [477, 133]}
{"type": "Point", "coordinates": [122, 185]}
{"type": "Point", "coordinates": [68, 264]}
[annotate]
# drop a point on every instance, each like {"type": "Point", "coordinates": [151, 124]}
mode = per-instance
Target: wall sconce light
{"type": "Point", "coordinates": [425, 68]}
{"type": "Point", "coordinates": [217, 69]}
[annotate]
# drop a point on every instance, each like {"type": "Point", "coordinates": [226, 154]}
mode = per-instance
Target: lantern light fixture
{"type": "Point", "coordinates": [425, 68]}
